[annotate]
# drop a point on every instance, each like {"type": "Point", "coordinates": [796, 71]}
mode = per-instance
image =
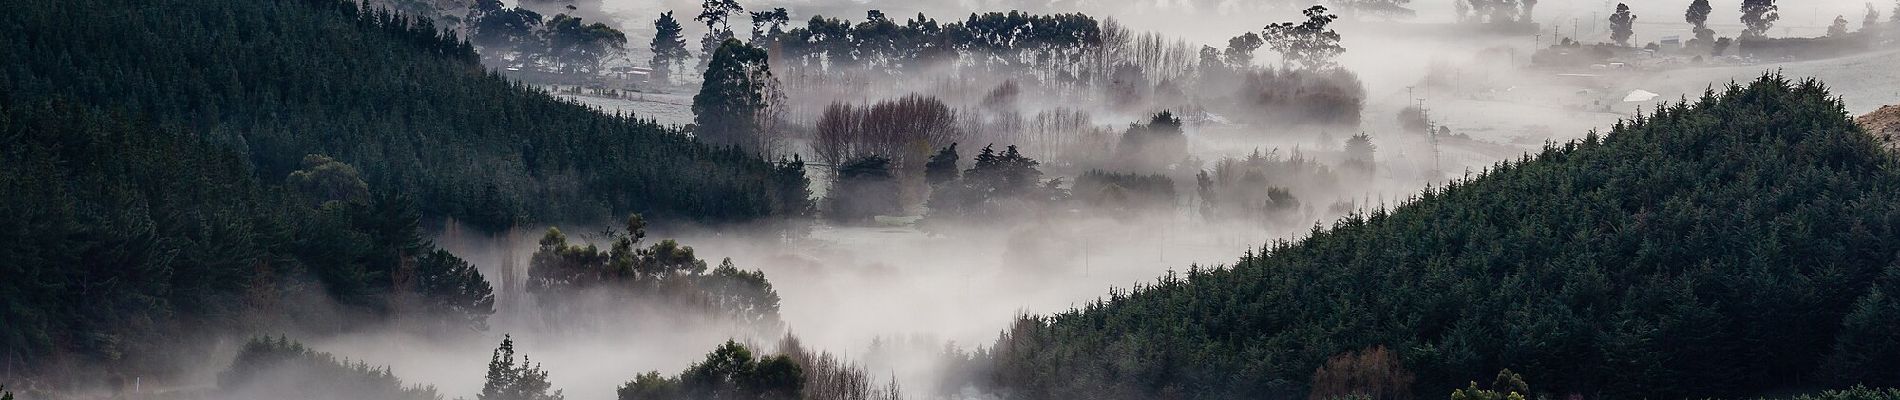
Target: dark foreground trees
{"type": "Point", "coordinates": [1741, 245]}
{"type": "Point", "coordinates": [120, 233]}
{"type": "Point", "coordinates": [147, 189]}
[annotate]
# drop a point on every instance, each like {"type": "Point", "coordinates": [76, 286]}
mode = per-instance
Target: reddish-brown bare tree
{"type": "Point", "coordinates": [1370, 373]}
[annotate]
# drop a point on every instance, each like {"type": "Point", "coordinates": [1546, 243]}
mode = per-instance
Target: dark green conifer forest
{"type": "Point", "coordinates": [177, 175]}
{"type": "Point", "coordinates": [400, 99]}
{"type": "Point", "coordinates": [231, 165]}
{"type": "Point", "coordinates": [1738, 246]}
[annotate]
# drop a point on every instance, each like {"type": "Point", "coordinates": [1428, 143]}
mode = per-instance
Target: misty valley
{"type": "Point", "coordinates": [969, 200]}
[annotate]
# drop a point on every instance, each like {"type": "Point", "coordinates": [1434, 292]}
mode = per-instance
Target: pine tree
{"type": "Point", "coordinates": [942, 167]}
{"type": "Point", "coordinates": [508, 380]}
{"type": "Point", "coordinates": [1359, 151]}
{"type": "Point", "coordinates": [669, 48]}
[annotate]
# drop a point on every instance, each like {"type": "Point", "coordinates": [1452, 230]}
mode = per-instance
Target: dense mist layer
{"type": "Point", "coordinates": [1155, 140]}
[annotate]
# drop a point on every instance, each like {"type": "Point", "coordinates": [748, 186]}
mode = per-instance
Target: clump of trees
{"type": "Point", "coordinates": [572, 283]}
{"type": "Point", "coordinates": [729, 372]}
{"type": "Point", "coordinates": [881, 153]}
{"type": "Point", "coordinates": [1618, 264]}
{"type": "Point", "coordinates": [1622, 25]}
{"type": "Point", "coordinates": [1333, 97]}
{"type": "Point", "coordinates": [864, 188]}
{"type": "Point", "coordinates": [903, 130]}
{"type": "Point", "coordinates": [281, 368]}
{"type": "Point", "coordinates": [1154, 145]}
{"type": "Point", "coordinates": [1260, 187]}
{"type": "Point", "coordinates": [1000, 184]}
{"type": "Point", "coordinates": [1508, 386]}
{"type": "Point", "coordinates": [522, 37]}
{"type": "Point", "coordinates": [1123, 191]}
{"type": "Point", "coordinates": [1307, 45]}
{"type": "Point", "coordinates": [739, 102]}
{"type": "Point", "coordinates": [1758, 16]}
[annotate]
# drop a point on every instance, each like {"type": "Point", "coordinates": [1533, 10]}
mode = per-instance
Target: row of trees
{"type": "Point", "coordinates": [1013, 41]}
{"type": "Point", "coordinates": [1678, 256]}
{"type": "Point", "coordinates": [1758, 17]}
{"type": "Point", "coordinates": [871, 183]}
{"type": "Point", "coordinates": [1049, 54]}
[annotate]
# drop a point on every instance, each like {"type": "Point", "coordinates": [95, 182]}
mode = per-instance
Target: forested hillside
{"type": "Point", "coordinates": [122, 233]}
{"type": "Point", "coordinates": [177, 169]}
{"type": "Point", "coordinates": [1742, 245]}
{"type": "Point", "coordinates": [405, 102]}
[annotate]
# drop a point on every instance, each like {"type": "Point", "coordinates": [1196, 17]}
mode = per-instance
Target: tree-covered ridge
{"type": "Point", "coordinates": [404, 102]}
{"type": "Point", "coordinates": [1740, 245]}
{"type": "Point", "coordinates": [122, 233]}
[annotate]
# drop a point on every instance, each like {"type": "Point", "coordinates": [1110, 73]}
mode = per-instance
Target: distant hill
{"type": "Point", "coordinates": [1742, 245]}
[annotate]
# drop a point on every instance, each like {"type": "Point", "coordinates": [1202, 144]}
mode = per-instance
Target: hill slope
{"type": "Point", "coordinates": [407, 104]}
{"type": "Point", "coordinates": [163, 176]}
{"type": "Point", "coordinates": [1737, 246]}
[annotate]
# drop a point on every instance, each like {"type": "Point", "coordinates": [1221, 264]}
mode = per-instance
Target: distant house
{"type": "Point", "coordinates": [631, 74]}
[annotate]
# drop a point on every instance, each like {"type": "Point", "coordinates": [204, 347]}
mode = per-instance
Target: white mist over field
{"type": "Point", "coordinates": [844, 288]}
